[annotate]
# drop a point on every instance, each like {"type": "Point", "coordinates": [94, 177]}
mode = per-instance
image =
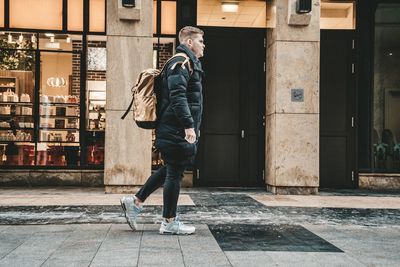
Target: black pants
{"type": "Point", "coordinates": [169, 175]}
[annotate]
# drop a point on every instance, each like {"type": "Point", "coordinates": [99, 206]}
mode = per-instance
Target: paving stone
{"type": "Point", "coordinates": [250, 258]}
{"type": "Point", "coordinates": [161, 258]}
{"type": "Point", "coordinates": [119, 248]}
{"type": "Point", "coordinates": [36, 248]}
{"type": "Point", "coordinates": [66, 263]}
{"type": "Point", "coordinates": [21, 262]}
{"type": "Point", "coordinates": [336, 260]}
{"type": "Point", "coordinates": [83, 244]}
{"type": "Point", "coordinates": [298, 259]}
{"type": "Point", "coordinates": [11, 241]}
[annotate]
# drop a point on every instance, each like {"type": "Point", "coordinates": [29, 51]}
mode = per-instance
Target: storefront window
{"type": "Point", "coordinates": [25, 13]}
{"type": "Point", "coordinates": [386, 94]}
{"type": "Point", "coordinates": [17, 82]}
{"type": "Point", "coordinates": [168, 17]}
{"type": "Point", "coordinates": [97, 16]}
{"type": "Point", "coordinates": [1, 13]}
{"type": "Point", "coordinates": [58, 143]}
{"type": "Point", "coordinates": [75, 15]}
{"type": "Point", "coordinates": [47, 131]}
{"type": "Point", "coordinates": [96, 100]}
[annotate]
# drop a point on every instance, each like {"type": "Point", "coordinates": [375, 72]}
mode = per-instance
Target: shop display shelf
{"type": "Point", "coordinates": [16, 103]}
{"type": "Point", "coordinates": [59, 104]}
{"type": "Point", "coordinates": [58, 129]}
{"type": "Point", "coordinates": [8, 115]}
{"type": "Point", "coordinates": [18, 142]}
{"type": "Point", "coordinates": [58, 142]}
{"type": "Point", "coordinates": [20, 128]}
{"type": "Point", "coordinates": [55, 116]}
{"type": "Point", "coordinates": [95, 130]}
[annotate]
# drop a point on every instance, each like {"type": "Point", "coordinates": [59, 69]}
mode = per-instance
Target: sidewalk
{"type": "Point", "coordinates": [85, 227]}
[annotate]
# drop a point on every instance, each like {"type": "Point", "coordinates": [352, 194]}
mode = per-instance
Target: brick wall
{"type": "Point", "coordinates": [76, 67]}
{"type": "Point", "coordinates": [164, 53]}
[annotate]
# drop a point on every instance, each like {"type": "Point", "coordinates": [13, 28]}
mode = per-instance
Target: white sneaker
{"type": "Point", "coordinates": [131, 211]}
{"type": "Point", "coordinates": [176, 227]}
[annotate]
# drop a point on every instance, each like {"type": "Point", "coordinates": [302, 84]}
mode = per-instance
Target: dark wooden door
{"type": "Point", "coordinates": [337, 110]}
{"type": "Point", "coordinates": [232, 136]}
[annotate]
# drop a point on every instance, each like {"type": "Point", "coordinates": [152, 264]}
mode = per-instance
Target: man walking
{"type": "Point", "coordinates": [180, 106]}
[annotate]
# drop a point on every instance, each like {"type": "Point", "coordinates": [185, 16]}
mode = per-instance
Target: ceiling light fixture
{"type": "Point", "coordinates": [56, 82]}
{"type": "Point", "coordinates": [230, 6]}
{"type": "Point", "coordinates": [33, 38]}
{"type": "Point", "coordinates": [68, 40]}
{"type": "Point", "coordinates": [51, 39]}
{"type": "Point", "coordinates": [49, 34]}
{"type": "Point", "coordinates": [20, 38]}
{"type": "Point", "coordinates": [9, 38]}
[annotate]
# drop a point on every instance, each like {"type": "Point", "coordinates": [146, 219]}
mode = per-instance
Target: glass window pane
{"type": "Point", "coordinates": [50, 41]}
{"type": "Point", "coordinates": [97, 15]}
{"type": "Point", "coordinates": [58, 143]}
{"type": "Point", "coordinates": [337, 16]}
{"type": "Point", "coordinates": [249, 14]}
{"type": "Point", "coordinates": [75, 15]}
{"type": "Point", "coordinates": [96, 100]}
{"type": "Point", "coordinates": [386, 94]}
{"type": "Point", "coordinates": [1, 13]}
{"type": "Point", "coordinates": [168, 17]}
{"type": "Point", "coordinates": [154, 17]}
{"type": "Point", "coordinates": [17, 147]}
{"type": "Point", "coordinates": [25, 14]}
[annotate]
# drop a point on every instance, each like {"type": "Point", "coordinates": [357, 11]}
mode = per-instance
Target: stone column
{"type": "Point", "coordinates": [129, 51]}
{"type": "Point", "coordinates": [292, 128]}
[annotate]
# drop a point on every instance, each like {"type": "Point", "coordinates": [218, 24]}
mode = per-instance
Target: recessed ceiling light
{"type": "Point", "coordinates": [230, 6]}
{"type": "Point", "coordinates": [49, 34]}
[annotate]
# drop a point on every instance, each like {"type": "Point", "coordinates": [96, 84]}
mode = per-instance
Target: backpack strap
{"type": "Point", "coordinates": [187, 60]}
{"type": "Point", "coordinates": [127, 110]}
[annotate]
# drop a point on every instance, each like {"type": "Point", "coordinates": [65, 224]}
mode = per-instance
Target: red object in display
{"type": "Point", "coordinates": [56, 156]}
{"type": "Point", "coordinates": [95, 154]}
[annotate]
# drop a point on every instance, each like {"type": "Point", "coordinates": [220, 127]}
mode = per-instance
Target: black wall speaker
{"type": "Point", "coordinates": [128, 3]}
{"type": "Point", "coordinates": [303, 6]}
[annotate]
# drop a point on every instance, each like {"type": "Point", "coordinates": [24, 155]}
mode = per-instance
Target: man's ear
{"type": "Point", "coordinates": [189, 42]}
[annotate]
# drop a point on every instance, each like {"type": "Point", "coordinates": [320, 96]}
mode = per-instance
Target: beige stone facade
{"type": "Point", "coordinates": [292, 128]}
{"type": "Point", "coordinates": [129, 50]}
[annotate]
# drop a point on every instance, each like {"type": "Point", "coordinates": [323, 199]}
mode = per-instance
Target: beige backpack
{"type": "Point", "coordinates": [144, 97]}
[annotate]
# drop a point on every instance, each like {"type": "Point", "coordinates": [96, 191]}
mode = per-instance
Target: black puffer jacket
{"type": "Point", "coordinates": [180, 104]}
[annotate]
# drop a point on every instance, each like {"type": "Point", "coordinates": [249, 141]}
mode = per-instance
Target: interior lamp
{"type": "Point", "coordinates": [56, 82]}
{"type": "Point", "coordinates": [230, 6]}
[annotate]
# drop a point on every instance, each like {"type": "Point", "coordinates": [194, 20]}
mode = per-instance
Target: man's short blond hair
{"type": "Point", "coordinates": [188, 32]}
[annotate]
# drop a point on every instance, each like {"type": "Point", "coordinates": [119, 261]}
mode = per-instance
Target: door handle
{"type": "Point", "coordinates": [242, 134]}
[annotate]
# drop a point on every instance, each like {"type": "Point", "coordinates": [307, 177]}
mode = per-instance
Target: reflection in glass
{"type": "Point", "coordinates": [386, 100]}
{"type": "Point", "coordinates": [58, 113]}
{"type": "Point", "coordinates": [17, 62]}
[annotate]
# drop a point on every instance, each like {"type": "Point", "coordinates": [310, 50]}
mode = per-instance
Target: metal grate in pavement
{"type": "Point", "coordinates": [256, 237]}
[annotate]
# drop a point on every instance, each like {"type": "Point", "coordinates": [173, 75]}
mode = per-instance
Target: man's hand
{"type": "Point", "coordinates": [190, 135]}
